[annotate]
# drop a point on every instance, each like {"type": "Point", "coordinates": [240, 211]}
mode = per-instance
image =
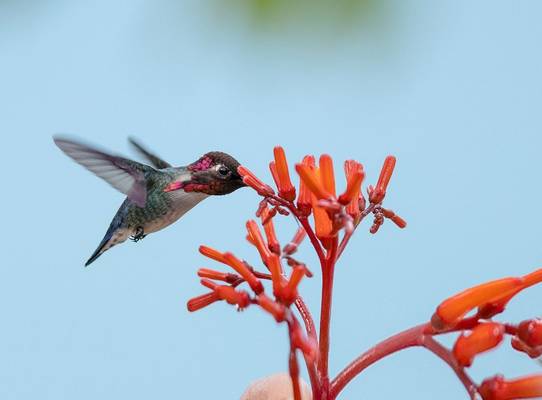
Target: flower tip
{"type": "Point", "coordinates": [202, 301]}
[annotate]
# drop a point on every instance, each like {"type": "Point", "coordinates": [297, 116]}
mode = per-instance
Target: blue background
{"type": "Point", "coordinates": [452, 88]}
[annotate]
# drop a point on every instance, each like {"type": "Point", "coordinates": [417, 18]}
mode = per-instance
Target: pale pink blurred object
{"type": "Point", "coordinates": [275, 387]}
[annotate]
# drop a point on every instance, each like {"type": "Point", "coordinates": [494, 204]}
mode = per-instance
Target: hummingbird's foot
{"type": "Point", "coordinates": [139, 234]}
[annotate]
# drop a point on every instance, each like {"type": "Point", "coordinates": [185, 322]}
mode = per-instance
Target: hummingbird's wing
{"type": "Point", "coordinates": [154, 159]}
{"type": "Point", "coordinates": [127, 176]}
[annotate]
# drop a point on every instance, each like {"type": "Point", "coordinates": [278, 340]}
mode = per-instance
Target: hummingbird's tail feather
{"type": "Point", "coordinates": [115, 234]}
{"type": "Point", "coordinates": [95, 255]}
{"type": "Point", "coordinates": [102, 247]}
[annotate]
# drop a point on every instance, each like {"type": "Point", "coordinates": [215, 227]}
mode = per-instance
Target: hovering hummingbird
{"type": "Point", "coordinates": [157, 196]}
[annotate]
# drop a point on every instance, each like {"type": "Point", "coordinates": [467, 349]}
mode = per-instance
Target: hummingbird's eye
{"type": "Point", "coordinates": [222, 170]}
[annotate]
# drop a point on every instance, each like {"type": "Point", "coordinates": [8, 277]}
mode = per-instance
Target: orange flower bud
{"type": "Point", "coordinates": [252, 180]}
{"type": "Point", "coordinates": [276, 275]}
{"type": "Point", "coordinates": [354, 177]}
{"type": "Point", "coordinates": [257, 239]}
{"type": "Point", "coordinates": [532, 279]}
{"type": "Point", "coordinates": [497, 388]}
{"type": "Point", "coordinates": [451, 310]}
{"type": "Point", "coordinates": [199, 302]}
{"type": "Point", "coordinates": [379, 191]}
{"type": "Point", "coordinates": [239, 266]}
{"type": "Point", "coordinates": [272, 241]}
{"type": "Point", "coordinates": [482, 338]}
{"type": "Point", "coordinates": [284, 184]}
{"type": "Point", "coordinates": [212, 253]}
{"type": "Point", "coordinates": [304, 204]}
{"type": "Point", "coordinates": [497, 306]}
{"type": "Point", "coordinates": [289, 291]}
{"type": "Point", "coordinates": [312, 181]}
{"type": "Point", "coordinates": [322, 222]}
{"type": "Point", "coordinates": [327, 176]}
{"type": "Point", "coordinates": [397, 220]}
{"type": "Point", "coordinates": [217, 275]}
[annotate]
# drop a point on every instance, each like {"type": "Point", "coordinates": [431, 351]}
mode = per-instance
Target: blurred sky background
{"type": "Point", "coordinates": [452, 88]}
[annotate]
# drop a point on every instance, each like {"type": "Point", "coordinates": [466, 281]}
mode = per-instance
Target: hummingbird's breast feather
{"type": "Point", "coordinates": [181, 203]}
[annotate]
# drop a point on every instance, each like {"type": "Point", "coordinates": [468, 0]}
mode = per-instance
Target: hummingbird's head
{"type": "Point", "coordinates": [215, 173]}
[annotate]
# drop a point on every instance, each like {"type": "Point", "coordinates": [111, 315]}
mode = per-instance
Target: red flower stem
{"type": "Point", "coordinates": [294, 373]}
{"type": "Point", "coordinates": [311, 332]}
{"type": "Point", "coordinates": [328, 268]}
{"type": "Point", "coordinates": [445, 355]}
{"type": "Point", "coordinates": [413, 337]}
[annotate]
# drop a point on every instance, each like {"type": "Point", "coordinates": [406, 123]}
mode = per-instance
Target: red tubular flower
{"type": "Point", "coordinates": [254, 283]}
{"type": "Point", "coordinates": [397, 220]}
{"type": "Point", "coordinates": [379, 191]}
{"type": "Point", "coordinates": [451, 310]}
{"type": "Point", "coordinates": [532, 279]}
{"type": "Point", "coordinates": [257, 240]}
{"type": "Point", "coordinates": [354, 177]}
{"type": "Point", "coordinates": [327, 176]}
{"type": "Point", "coordinates": [276, 275]}
{"type": "Point", "coordinates": [279, 169]}
{"type": "Point", "coordinates": [289, 291]}
{"type": "Point", "coordinates": [322, 223]}
{"type": "Point", "coordinates": [497, 388]}
{"type": "Point", "coordinates": [304, 204]}
{"type": "Point", "coordinates": [212, 253]}
{"type": "Point", "coordinates": [311, 179]}
{"type": "Point", "coordinates": [217, 275]}
{"type": "Point", "coordinates": [252, 180]}
{"type": "Point", "coordinates": [199, 302]}
{"type": "Point", "coordinates": [291, 247]}
{"type": "Point", "coordinates": [228, 293]}
{"type": "Point", "coordinates": [267, 222]}
{"type": "Point", "coordinates": [482, 338]}
{"type": "Point", "coordinates": [498, 304]}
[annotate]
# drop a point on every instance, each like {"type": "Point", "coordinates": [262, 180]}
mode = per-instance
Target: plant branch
{"type": "Point", "coordinates": [444, 354]}
{"type": "Point", "coordinates": [400, 341]}
{"type": "Point", "coordinates": [328, 268]}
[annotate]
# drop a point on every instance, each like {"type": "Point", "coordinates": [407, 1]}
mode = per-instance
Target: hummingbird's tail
{"type": "Point", "coordinates": [102, 247]}
{"type": "Point", "coordinates": [115, 234]}
{"type": "Point", "coordinates": [98, 252]}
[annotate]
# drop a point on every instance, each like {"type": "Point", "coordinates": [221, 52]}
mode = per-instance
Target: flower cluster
{"type": "Point", "coordinates": [328, 218]}
{"type": "Point", "coordinates": [332, 213]}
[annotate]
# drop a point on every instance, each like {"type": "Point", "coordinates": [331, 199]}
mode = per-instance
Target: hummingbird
{"type": "Point", "coordinates": [157, 195]}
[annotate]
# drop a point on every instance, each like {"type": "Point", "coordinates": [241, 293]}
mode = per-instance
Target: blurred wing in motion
{"type": "Point", "coordinates": [125, 175]}
{"type": "Point", "coordinates": [156, 161]}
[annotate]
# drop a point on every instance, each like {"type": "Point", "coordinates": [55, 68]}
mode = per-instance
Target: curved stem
{"type": "Point", "coordinates": [311, 332]}
{"type": "Point", "coordinates": [409, 338]}
{"type": "Point", "coordinates": [444, 354]}
{"type": "Point", "coordinates": [416, 336]}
